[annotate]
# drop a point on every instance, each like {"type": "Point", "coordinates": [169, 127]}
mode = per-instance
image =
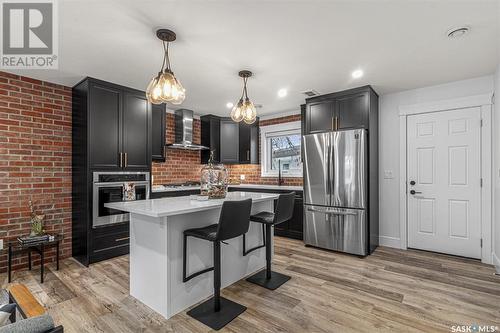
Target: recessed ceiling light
{"type": "Point", "coordinates": [229, 105]}
{"type": "Point", "coordinates": [458, 32]}
{"type": "Point", "coordinates": [282, 92]}
{"type": "Point", "coordinates": [357, 73]}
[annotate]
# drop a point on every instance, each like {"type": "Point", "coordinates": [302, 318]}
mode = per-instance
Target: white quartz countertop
{"type": "Point", "coordinates": [181, 205]}
{"type": "Point", "coordinates": [161, 188]}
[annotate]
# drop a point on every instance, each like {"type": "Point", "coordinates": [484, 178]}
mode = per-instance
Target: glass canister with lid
{"type": "Point", "coordinates": [213, 179]}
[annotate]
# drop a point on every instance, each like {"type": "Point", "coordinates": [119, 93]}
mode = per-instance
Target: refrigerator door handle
{"type": "Point", "coordinates": [331, 212]}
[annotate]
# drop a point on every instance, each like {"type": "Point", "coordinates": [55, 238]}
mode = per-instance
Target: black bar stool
{"type": "Point", "coordinates": [284, 211]}
{"type": "Point", "coordinates": [218, 311]}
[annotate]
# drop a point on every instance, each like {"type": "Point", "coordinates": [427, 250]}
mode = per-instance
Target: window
{"type": "Point", "coordinates": [280, 146]}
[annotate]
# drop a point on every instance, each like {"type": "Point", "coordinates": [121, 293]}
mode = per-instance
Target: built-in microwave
{"type": "Point", "coordinates": [112, 187]}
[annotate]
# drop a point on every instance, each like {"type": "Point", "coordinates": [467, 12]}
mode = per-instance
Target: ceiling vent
{"type": "Point", "coordinates": [310, 93]}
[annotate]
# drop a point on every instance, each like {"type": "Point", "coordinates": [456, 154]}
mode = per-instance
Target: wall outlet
{"type": "Point", "coordinates": [1, 244]}
{"type": "Point", "coordinates": [242, 177]}
{"type": "Point", "coordinates": [388, 174]}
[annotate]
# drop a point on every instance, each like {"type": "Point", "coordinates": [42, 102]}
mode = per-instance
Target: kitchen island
{"type": "Point", "coordinates": [156, 233]}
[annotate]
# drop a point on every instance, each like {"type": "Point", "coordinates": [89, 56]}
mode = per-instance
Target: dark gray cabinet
{"type": "Point", "coordinates": [119, 126]}
{"type": "Point", "coordinates": [158, 127]}
{"type": "Point", "coordinates": [352, 110]}
{"type": "Point", "coordinates": [104, 126]}
{"type": "Point", "coordinates": [341, 110]}
{"type": "Point", "coordinates": [292, 228]}
{"type": "Point", "coordinates": [229, 141]}
{"type": "Point", "coordinates": [233, 143]}
{"type": "Point", "coordinates": [136, 126]}
{"type": "Point", "coordinates": [210, 137]}
{"type": "Point", "coordinates": [248, 143]}
{"type": "Point", "coordinates": [111, 131]}
{"type": "Point", "coordinates": [320, 116]}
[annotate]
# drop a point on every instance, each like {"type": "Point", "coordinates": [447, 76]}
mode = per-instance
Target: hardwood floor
{"type": "Point", "coordinates": [389, 291]}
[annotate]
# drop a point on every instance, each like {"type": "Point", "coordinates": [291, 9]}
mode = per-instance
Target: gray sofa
{"type": "Point", "coordinates": [38, 324]}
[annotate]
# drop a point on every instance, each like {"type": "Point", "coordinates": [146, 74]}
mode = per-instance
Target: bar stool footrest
{"type": "Point", "coordinates": [206, 314]}
{"type": "Point", "coordinates": [276, 280]}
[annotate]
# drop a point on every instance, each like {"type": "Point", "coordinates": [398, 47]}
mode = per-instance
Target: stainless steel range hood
{"type": "Point", "coordinates": [184, 131]}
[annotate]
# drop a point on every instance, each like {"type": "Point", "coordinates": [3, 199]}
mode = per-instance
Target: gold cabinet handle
{"type": "Point", "coordinates": [122, 239]}
{"type": "Point", "coordinates": [121, 160]}
{"type": "Point", "coordinates": [337, 123]}
{"type": "Point", "coordinates": [248, 155]}
{"type": "Point", "coordinates": [333, 126]}
{"type": "Point", "coordinates": [126, 159]}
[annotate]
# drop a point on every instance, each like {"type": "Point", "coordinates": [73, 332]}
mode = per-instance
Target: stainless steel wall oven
{"type": "Point", "coordinates": [109, 187]}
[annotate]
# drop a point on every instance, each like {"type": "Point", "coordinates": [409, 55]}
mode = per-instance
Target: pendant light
{"type": "Point", "coordinates": [165, 87]}
{"type": "Point", "coordinates": [244, 109]}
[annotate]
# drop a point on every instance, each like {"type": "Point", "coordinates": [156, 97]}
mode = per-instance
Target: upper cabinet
{"type": "Point", "coordinates": [210, 137]}
{"type": "Point", "coordinates": [352, 110]}
{"type": "Point", "coordinates": [136, 139]}
{"type": "Point", "coordinates": [320, 116]}
{"type": "Point", "coordinates": [232, 143]}
{"type": "Point", "coordinates": [104, 113]}
{"type": "Point", "coordinates": [229, 141]}
{"type": "Point", "coordinates": [158, 127]}
{"type": "Point", "coordinates": [117, 121]}
{"type": "Point", "coordinates": [341, 110]}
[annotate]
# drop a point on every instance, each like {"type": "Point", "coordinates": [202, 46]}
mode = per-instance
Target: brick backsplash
{"type": "Point", "coordinates": [35, 159]}
{"type": "Point", "coordinates": [180, 165]}
{"type": "Point", "coordinates": [184, 165]}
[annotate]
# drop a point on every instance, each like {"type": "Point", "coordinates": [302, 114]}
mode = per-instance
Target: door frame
{"type": "Point", "coordinates": [484, 102]}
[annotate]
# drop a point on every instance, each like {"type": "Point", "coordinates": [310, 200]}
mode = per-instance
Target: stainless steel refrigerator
{"type": "Point", "coordinates": [336, 191]}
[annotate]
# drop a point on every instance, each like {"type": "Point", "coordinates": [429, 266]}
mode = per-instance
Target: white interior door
{"type": "Point", "coordinates": [444, 171]}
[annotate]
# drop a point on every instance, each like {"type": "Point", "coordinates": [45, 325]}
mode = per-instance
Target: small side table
{"type": "Point", "coordinates": [16, 247]}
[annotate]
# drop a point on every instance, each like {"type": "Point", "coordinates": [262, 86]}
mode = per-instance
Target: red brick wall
{"type": "Point", "coordinates": [180, 165]}
{"type": "Point", "coordinates": [183, 165]}
{"type": "Point", "coordinates": [35, 159]}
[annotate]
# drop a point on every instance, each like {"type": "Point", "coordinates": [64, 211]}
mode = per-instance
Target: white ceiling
{"type": "Point", "coordinates": [293, 44]}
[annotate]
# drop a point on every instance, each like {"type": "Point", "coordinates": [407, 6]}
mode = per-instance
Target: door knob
{"type": "Point", "coordinates": [412, 183]}
{"type": "Point", "coordinates": [414, 192]}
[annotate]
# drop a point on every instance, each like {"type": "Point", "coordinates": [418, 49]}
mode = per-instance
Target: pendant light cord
{"type": "Point", "coordinates": [166, 59]}
{"type": "Point", "coordinates": [244, 92]}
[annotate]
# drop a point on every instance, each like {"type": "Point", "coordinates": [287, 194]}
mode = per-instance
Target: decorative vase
{"type": "Point", "coordinates": [213, 179]}
{"type": "Point", "coordinates": [36, 222]}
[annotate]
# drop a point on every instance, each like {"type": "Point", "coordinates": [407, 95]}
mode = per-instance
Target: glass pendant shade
{"type": "Point", "coordinates": [244, 110]}
{"type": "Point", "coordinates": [237, 114]}
{"type": "Point", "coordinates": [249, 112]}
{"type": "Point", "coordinates": [165, 87]}
{"type": "Point", "coordinates": [153, 91]}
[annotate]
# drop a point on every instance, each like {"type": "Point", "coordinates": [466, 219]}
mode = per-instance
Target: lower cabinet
{"type": "Point", "coordinates": [109, 241]}
{"type": "Point", "coordinates": [166, 194]}
{"type": "Point", "coordinates": [292, 228]}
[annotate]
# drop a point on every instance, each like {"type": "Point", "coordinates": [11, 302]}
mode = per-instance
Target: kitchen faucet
{"type": "Point", "coordinates": [280, 178]}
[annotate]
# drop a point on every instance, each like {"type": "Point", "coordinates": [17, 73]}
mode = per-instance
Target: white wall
{"type": "Point", "coordinates": [496, 171]}
{"type": "Point", "coordinates": [389, 144]}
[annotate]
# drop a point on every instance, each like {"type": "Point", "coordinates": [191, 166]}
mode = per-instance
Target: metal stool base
{"type": "Point", "coordinates": [276, 280]}
{"type": "Point", "coordinates": [206, 314]}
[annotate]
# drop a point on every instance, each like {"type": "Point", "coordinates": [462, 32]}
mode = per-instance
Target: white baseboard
{"type": "Point", "coordinates": [496, 262]}
{"type": "Point", "coordinates": [390, 241]}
